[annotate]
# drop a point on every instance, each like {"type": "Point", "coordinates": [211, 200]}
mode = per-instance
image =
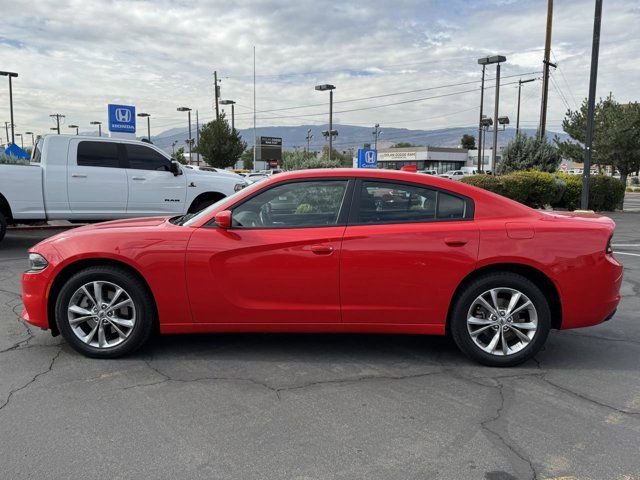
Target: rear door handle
{"type": "Point", "coordinates": [138, 178]}
{"type": "Point", "coordinates": [321, 249]}
{"type": "Point", "coordinates": [78, 175]}
{"type": "Point", "coordinates": [455, 241]}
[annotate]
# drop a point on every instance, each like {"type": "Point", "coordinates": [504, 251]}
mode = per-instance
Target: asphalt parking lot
{"type": "Point", "coordinates": [320, 406]}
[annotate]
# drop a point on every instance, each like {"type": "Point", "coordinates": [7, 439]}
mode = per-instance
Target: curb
{"type": "Point", "coordinates": [43, 227]}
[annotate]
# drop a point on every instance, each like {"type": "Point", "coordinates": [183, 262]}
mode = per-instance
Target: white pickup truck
{"type": "Point", "coordinates": [97, 178]}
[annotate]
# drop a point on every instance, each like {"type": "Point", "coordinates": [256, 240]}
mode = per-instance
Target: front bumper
{"type": "Point", "coordinates": [34, 298]}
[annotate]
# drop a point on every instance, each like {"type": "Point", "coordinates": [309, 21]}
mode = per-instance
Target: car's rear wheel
{"type": "Point", "coordinates": [105, 312]}
{"type": "Point", "coordinates": [501, 319]}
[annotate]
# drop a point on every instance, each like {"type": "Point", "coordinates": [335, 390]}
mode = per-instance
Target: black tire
{"type": "Point", "coordinates": [460, 332]}
{"type": "Point", "coordinates": [3, 226]}
{"type": "Point", "coordinates": [137, 291]}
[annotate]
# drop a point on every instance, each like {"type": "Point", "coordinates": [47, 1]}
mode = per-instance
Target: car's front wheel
{"type": "Point", "coordinates": [105, 312]}
{"type": "Point", "coordinates": [501, 319]}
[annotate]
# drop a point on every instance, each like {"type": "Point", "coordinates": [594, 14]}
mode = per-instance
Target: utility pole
{"type": "Point", "coordinates": [57, 116]}
{"type": "Point", "coordinates": [546, 64]}
{"type": "Point", "coordinates": [330, 123]}
{"type": "Point", "coordinates": [495, 122]}
{"type": "Point", "coordinates": [520, 82]}
{"type": "Point", "coordinates": [255, 139]}
{"type": "Point", "coordinates": [309, 137]}
{"type": "Point", "coordinates": [6, 128]}
{"type": "Point", "coordinates": [217, 92]}
{"type": "Point", "coordinates": [480, 145]}
{"type": "Point", "coordinates": [10, 75]}
{"type": "Point", "coordinates": [586, 171]}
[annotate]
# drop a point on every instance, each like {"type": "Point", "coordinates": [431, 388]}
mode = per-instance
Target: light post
{"type": "Point", "coordinates": [6, 128]}
{"type": "Point", "coordinates": [332, 132]}
{"type": "Point", "coordinates": [376, 133]}
{"type": "Point", "coordinates": [188, 110]}
{"type": "Point", "coordinates": [233, 113]}
{"type": "Point", "coordinates": [309, 137]}
{"type": "Point", "coordinates": [33, 139]}
{"type": "Point", "coordinates": [21, 140]}
{"type": "Point", "coordinates": [76, 127]}
{"type": "Point", "coordinates": [173, 147]}
{"type": "Point", "coordinates": [99, 127]}
{"type": "Point", "coordinates": [520, 82]}
{"type": "Point", "coordinates": [485, 123]}
{"type": "Point", "coordinates": [148, 116]}
{"type": "Point", "coordinates": [10, 75]}
{"type": "Point", "coordinates": [497, 59]}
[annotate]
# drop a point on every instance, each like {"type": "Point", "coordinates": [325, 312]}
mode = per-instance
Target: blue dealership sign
{"type": "Point", "coordinates": [122, 118]}
{"type": "Point", "coordinates": [367, 158]}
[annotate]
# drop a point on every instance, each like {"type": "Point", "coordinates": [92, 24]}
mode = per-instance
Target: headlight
{"type": "Point", "coordinates": [37, 262]}
{"type": "Point", "coordinates": [239, 186]}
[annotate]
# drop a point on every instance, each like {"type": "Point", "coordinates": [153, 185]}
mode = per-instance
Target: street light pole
{"type": "Point", "coordinates": [331, 88]}
{"type": "Point", "coordinates": [21, 140]}
{"type": "Point", "coordinates": [188, 110]}
{"type": "Point", "coordinates": [6, 128]}
{"type": "Point", "coordinates": [495, 122]}
{"type": "Point", "coordinates": [376, 133]}
{"type": "Point", "coordinates": [76, 127]}
{"type": "Point", "coordinates": [33, 140]}
{"type": "Point", "coordinates": [233, 112]}
{"type": "Point", "coordinates": [309, 137]}
{"type": "Point", "coordinates": [99, 127]}
{"type": "Point", "coordinates": [520, 82]}
{"type": "Point", "coordinates": [148, 116]}
{"type": "Point", "coordinates": [480, 142]}
{"type": "Point", "coordinates": [595, 49]}
{"type": "Point", "coordinates": [10, 75]}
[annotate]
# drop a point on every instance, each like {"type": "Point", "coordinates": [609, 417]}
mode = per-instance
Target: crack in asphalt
{"type": "Point", "coordinates": [33, 379]}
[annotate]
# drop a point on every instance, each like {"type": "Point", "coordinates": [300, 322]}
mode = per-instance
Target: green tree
{"type": "Point", "coordinates": [468, 142]}
{"type": "Point", "coordinates": [529, 153]}
{"type": "Point", "coordinates": [179, 157]}
{"type": "Point", "coordinates": [344, 159]}
{"type": "Point", "coordinates": [404, 145]}
{"type": "Point", "coordinates": [306, 160]}
{"type": "Point", "coordinates": [219, 145]}
{"type": "Point", "coordinates": [616, 142]}
{"type": "Point", "coordinates": [247, 159]}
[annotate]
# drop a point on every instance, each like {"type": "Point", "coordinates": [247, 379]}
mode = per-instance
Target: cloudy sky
{"type": "Point", "coordinates": [75, 57]}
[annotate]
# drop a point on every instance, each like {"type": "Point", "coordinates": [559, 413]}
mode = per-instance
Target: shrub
{"type": "Point", "coordinates": [488, 182]}
{"type": "Point", "coordinates": [11, 160]}
{"type": "Point", "coordinates": [538, 189]}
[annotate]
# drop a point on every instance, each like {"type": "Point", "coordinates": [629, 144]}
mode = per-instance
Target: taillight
{"type": "Point", "coordinates": [609, 250]}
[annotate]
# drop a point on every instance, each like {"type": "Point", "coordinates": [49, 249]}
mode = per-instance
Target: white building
{"type": "Point", "coordinates": [440, 159]}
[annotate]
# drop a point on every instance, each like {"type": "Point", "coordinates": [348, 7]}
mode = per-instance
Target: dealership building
{"type": "Point", "coordinates": [440, 159]}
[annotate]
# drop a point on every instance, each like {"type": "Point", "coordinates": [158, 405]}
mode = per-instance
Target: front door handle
{"type": "Point", "coordinates": [455, 241]}
{"type": "Point", "coordinates": [138, 178]}
{"type": "Point", "coordinates": [78, 175]}
{"type": "Point", "coordinates": [321, 249]}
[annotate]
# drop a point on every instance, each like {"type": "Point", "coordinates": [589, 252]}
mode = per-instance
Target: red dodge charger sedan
{"type": "Point", "coordinates": [332, 251]}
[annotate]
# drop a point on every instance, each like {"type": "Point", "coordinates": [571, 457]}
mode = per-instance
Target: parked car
{"type": "Point", "coordinates": [97, 178]}
{"type": "Point", "coordinates": [336, 250]}
{"type": "Point", "coordinates": [254, 177]}
{"type": "Point", "coordinates": [428, 172]}
{"type": "Point", "coordinates": [453, 175]}
{"type": "Point", "coordinates": [208, 169]}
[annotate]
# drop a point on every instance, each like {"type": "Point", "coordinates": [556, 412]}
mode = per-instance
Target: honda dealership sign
{"type": "Point", "coordinates": [122, 118]}
{"type": "Point", "coordinates": [367, 158]}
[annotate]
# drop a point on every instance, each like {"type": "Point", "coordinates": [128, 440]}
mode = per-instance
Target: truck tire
{"type": "Point", "coordinates": [3, 226]}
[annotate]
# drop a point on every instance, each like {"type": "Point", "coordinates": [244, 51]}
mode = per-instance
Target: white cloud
{"type": "Point", "coordinates": [74, 57]}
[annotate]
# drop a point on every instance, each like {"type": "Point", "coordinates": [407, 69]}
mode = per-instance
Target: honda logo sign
{"type": "Point", "coordinates": [122, 118]}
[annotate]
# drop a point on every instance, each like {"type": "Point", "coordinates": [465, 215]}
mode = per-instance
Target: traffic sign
{"type": "Point", "coordinates": [367, 158]}
{"type": "Point", "coordinates": [122, 118]}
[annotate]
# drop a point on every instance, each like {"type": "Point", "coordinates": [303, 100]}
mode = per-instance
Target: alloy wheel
{"type": "Point", "coordinates": [502, 321]}
{"type": "Point", "coordinates": [101, 314]}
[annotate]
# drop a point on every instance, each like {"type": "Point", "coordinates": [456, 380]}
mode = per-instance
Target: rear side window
{"type": "Point", "coordinates": [98, 154]}
{"type": "Point", "coordinates": [145, 158]}
{"type": "Point", "coordinates": [37, 152]}
{"type": "Point", "coordinates": [390, 202]}
{"type": "Point", "coordinates": [450, 207]}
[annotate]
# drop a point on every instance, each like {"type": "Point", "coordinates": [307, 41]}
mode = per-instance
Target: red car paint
{"type": "Point", "coordinates": [399, 277]}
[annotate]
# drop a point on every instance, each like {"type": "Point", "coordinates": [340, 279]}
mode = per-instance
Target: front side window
{"type": "Point", "coordinates": [145, 158]}
{"type": "Point", "coordinates": [293, 205]}
{"type": "Point", "coordinates": [390, 202]}
{"type": "Point", "coordinates": [98, 154]}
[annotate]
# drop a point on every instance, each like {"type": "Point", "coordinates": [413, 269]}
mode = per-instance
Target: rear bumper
{"type": "Point", "coordinates": [596, 295]}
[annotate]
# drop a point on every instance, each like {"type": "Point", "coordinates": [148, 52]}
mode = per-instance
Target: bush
{"type": "Point", "coordinates": [538, 189]}
{"type": "Point", "coordinates": [11, 160]}
{"type": "Point", "coordinates": [488, 182]}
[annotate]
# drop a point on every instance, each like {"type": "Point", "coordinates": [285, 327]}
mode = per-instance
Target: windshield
{"type": "Point", "coordinates": [207, 211]}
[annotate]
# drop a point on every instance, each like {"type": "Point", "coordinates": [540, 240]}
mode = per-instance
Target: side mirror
{"type": "Point", "coordinates": [175, 168]}
{"type": "Point", "coordinates": [223, 219]}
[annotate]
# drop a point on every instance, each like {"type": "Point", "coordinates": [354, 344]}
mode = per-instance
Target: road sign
{"type": "Point", "coordinates": [367, 158]}
{"type": "Point", "coordinates": [269, 149]}
{"type": "Point", "coordinates": [122, 118]}
{"type": "Point", "coordinates": [563, 167]}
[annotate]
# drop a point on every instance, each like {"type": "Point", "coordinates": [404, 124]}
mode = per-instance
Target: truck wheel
{"type": "Point", "coordinates": [3, 226]}
{"type": "Point", "coordinates": [105, 312]}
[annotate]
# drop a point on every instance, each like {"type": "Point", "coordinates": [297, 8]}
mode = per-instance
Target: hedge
{"type": "Point", "coordinates": [562, 191]}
